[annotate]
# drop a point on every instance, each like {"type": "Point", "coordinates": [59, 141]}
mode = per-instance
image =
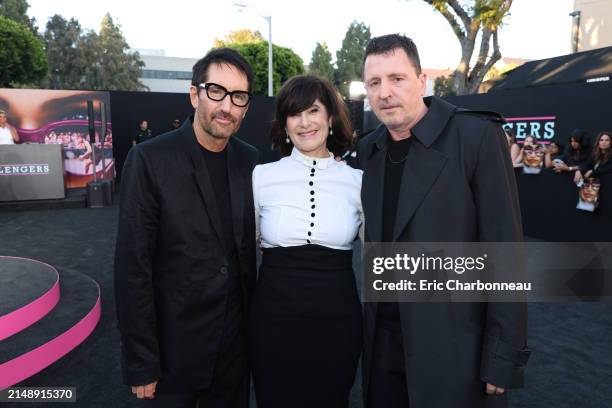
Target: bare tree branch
{"type": "Point", "coordinates": [463, 15]}
{"type": "Point", "coordinates": [483, 53]}
{"type": "Point", "coordinates": [443, 9]}
{"type": "Point", "coordinates": [496, 56]}
{"type": "Point", "coordinates": [466, 22]}
{"type": "Point", "coordinates": [473, 32]}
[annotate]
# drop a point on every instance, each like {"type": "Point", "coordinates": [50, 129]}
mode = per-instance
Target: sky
{"type": "Point", "coordinates": [535, 29]}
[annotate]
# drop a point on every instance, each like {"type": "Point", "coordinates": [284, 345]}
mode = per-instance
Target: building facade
{"type": "Point", "coordinates": [592, 26]}
{"type": "Point", "coordinates": [166, 74]}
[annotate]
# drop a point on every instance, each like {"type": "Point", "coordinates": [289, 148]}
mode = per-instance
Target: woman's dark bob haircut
{"type": "Point", "coordinates": [300, 93]}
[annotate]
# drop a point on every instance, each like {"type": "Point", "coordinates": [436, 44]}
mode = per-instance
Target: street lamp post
{"type": "Point", "coordinates": [244, 7]}
{"type": "Point", "coordinates": [270, 69]}
{"type": "Point", "coordinates": [575, 29]}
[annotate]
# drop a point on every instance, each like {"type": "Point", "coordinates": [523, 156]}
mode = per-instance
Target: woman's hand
{"type": "Point", "coordinates": [559, 167]}
{"type": "Point", "coordinates": [577, 177]}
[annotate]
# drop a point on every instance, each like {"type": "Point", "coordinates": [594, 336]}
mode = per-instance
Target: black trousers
{"type": "Point", "coordinates": [387, 387]}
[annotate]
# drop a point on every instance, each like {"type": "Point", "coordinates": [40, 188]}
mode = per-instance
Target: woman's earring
{"type": "Point", "coordinates": [287, 140]}
{"type": "Point", "coordinates": [331, 131]}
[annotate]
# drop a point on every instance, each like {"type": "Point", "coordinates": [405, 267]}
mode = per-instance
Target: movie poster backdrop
{"type": "Point", "coordinates": [59, 117]}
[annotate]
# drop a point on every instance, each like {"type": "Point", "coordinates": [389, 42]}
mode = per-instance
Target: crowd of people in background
{"type": "Point", "coordinates": [598, 163]}
{"type": "Point", "coordinates": [586, 163]}
{"type": "Point", "coordinates": [77, 140]}
{"type": "Point", "coordinates": [577, 157]}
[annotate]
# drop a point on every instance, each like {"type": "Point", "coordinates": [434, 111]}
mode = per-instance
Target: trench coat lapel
{"type": "Point", "coordinates": [372, 191]}
{"type": "Point", "coordinates": [424, 163]}
{"type": "Point", "coordinates": [421, 170]}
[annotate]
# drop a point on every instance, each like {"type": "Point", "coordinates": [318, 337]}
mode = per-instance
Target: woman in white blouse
{"type": "Point", "coordinates": [305, 321]}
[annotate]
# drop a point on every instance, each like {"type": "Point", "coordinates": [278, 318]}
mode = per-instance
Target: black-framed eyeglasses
{"type": "Point", "coordinates": [534, 150]}
{"type": "Point", "coordinates": [217, 93]}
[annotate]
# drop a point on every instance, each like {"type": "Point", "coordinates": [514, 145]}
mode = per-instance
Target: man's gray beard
{"type": "Point", "coordinates": [214, 134]}
{"type": "Point", "coordinates": [209, 129]}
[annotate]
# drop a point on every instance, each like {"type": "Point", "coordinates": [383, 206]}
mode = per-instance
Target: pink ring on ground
{"type": "Point", "coordinates": [17, 320]}
{"type": "Point", "coordinates": [31, 362]}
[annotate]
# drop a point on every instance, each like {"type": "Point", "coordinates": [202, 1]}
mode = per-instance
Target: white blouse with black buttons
{"type": "Point", "coordinates": [302, 200]}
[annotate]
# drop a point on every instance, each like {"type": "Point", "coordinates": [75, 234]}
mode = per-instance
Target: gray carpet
{"type": "Point", "coordinates": [571, 365]}
{"type": "Point", "coordinates": [78, 296]}
{"type": "Point", "coordinates": [22, 282]}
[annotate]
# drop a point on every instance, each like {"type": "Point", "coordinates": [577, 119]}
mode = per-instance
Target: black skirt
{"type": "Point", "coordinates": [304, 329]}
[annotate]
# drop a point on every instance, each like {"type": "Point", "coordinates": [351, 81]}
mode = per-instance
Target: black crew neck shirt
{"type": "Point", "coordinates": [397, 154]}
{"type": "Point", "coordinates": [216, 163]}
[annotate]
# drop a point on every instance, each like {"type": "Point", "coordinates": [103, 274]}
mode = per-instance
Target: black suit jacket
{"type": "Point", "coordinates": [171, 272]}
{"type": "Point", "coordinates": [457, 186]}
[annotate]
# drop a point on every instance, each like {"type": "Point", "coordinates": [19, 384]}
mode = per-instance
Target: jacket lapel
{"type": "Point", "coordinates": [237, 190]}
{"type": "Point", "coordinates": [372, 190]}
{"type": "Point", "coordinates": [422, 168]}
{"type": "Point", "coordinates": [424, 163]}
{"type": "Point", "coordinates": [202, 178]}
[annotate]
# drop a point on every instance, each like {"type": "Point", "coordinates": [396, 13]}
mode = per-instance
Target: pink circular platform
{"type": "Point", "coordinates": [37, 325]}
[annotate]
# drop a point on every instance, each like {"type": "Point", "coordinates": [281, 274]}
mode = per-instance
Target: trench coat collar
{"type": "Point", "coordinates": [430, 126]}
{"type": "Point", "coordinates": [421, 170]}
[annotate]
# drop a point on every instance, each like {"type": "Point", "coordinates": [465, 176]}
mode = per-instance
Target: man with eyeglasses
{"type": "Point", "coordinates": [185, 255]}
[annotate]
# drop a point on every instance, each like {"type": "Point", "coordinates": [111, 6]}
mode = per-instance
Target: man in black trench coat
{"type": "Point", "coordinates": [434, 173]}
{"type": "Point", "coordinates": [185, 254]}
